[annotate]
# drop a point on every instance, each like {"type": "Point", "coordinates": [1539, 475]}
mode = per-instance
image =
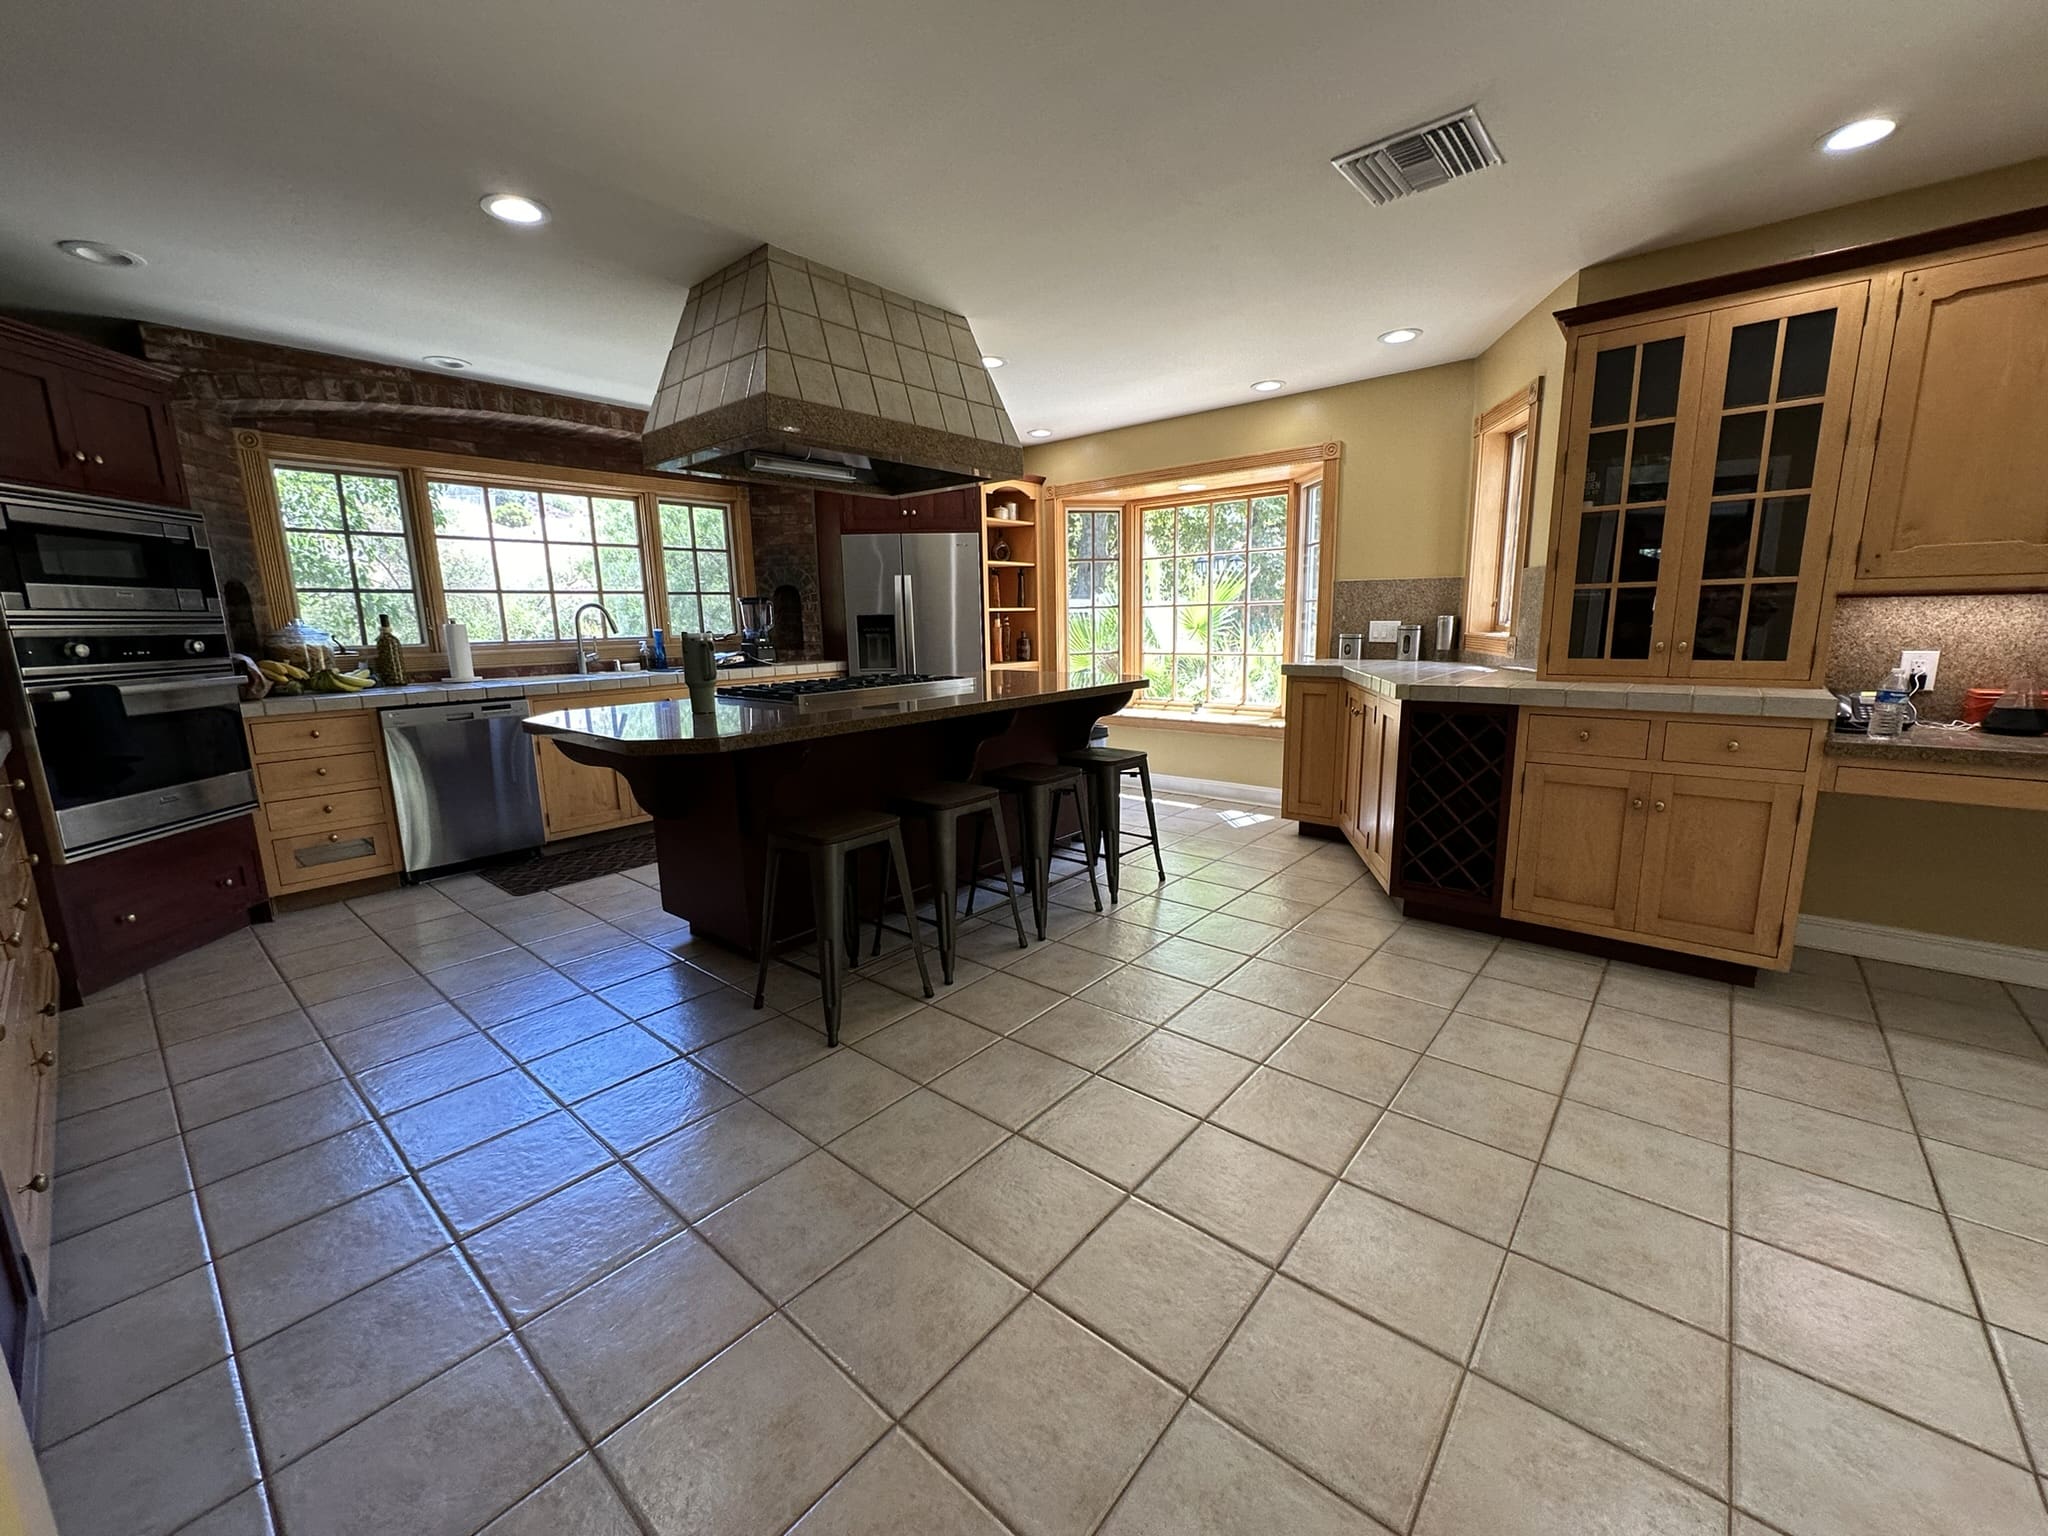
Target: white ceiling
{"type": "Point", "coordinates": [1132, 203]}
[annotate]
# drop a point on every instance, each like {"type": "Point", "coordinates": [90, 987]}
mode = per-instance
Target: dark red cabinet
{"type": "Point", "coordinates": [81, 418]}
{"type": "Point", "coordinates": [954, 511]}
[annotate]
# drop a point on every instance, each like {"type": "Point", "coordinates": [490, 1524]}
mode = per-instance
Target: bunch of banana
{"type": "Point", "coordinates": [282, 671]}
{"type": "Point", "coordinates": [326, 680]}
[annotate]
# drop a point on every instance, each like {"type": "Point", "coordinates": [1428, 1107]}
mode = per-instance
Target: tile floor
{"type": "Point", "coordinates": [1247, 1209]}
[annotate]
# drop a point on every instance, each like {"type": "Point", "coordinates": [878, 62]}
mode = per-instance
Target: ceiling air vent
{"type": "Point", "coordinates": [1419, 158]}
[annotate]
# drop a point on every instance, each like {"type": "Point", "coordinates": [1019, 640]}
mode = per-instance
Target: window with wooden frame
{"type": "Point", "coordinates": [345, 531]}
{"type": "Point", "coordinates": [1204, 578]}
{"type": "Point", "coordinates": [1503, 485]}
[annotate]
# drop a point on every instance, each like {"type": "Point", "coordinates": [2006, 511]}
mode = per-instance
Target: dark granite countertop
{"type": "Point", "coordinates": [668, 727]}
{"type": "Point", "coordinates": [1933, 746]}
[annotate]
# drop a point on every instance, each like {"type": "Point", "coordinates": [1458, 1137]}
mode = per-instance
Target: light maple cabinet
{"type": "Point", "coordinates": [1956, 497]}
{"type": "Point", "coordinates": [1341, 763]}
{"type": "Point", "coordinates": [576, 798]}
{"type": "Point", "coordinates": [1717, 857]}
{"type": "Point", "coordinates": [1580, 850]}
{"type": "Point", "coordinates": [1311, 758]}
{"type": "Point", "coordinates": [324, 816]}
{"type": "Point", "coordinates": [1697, 490]}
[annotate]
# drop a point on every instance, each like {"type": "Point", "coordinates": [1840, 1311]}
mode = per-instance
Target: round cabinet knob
{"type": "Point", "coordinates": [1660, 805]}
{"type": "Point", "coordinates": [229, 883]}
{"type": "Point", "coordinates": [1658, 646]}
{"type": "Point", "coordinates": [321, 772]}
{"type": "Point", "coordinates": [39, 1185]}
{"type": "Point", "coordinates": [1636, 804]}
{"type": "Point", "coordinates": [314, 734]}
{"type": "Point", "coordinates": [6, 813]}
{"type": "Point", "coordinates": [78, 454]}
{"type": "Point", "coordinates": [335, 837]}
{"type": "Point", "coordinates": [97, 459]}
{"type": "Point", "coordinates": [127, 917]}
{"type": "Point", "coordinates": [34, 859]}
{"type": "Point", "coordinates": [1685, 645]}
{"type": "Point", "coordinates": [52, 947]}
{"type": "Point", "coordinates": [1734, 746]}
{"type": "Point", "coordinates": [17, 784]}
{"type": "Point", "coordinates": [1585, 735]}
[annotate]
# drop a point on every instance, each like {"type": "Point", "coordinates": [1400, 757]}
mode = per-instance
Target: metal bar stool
{"type": "Point", "coordinates": [940, 807]}
{"type": "Point", "coordinates": [1106, 768]}
{"type": "Point", "coordinates": [1038, 787]}
{"type": "Point", "coordinates": [830, 843]}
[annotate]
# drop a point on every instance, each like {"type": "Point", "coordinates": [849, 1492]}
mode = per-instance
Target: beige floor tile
{"type": "Point", "coordinates": [897, 1489]}
{"type": "Point", "coordinates": [1118, 941]}
{"type": "Point", "coordinates": [413, 1079]}
{"type": "Point", "coordinates": [1662, 995]}
{"type": "Point", "coordinates": [202, 1057]}
{"type": "Point", "coordinates": [917, 1144]}
{"type": "Point", "coordinates": [449, 1455]}
{"type": "Point", "coordinates": [216, 1013]}
{"type": "Point", "coordinates": [1202, 964]}
{"type": "Point", "coordinates": [1195, 891]}
{"type": "Point", "coordinates": [257, 1135]}
{"type": "Point", "coordinates": [458, 1120]}
{"type": "Point", "coordinates": [1758, 1018]}
{"type": "Point", "coordinates": [1001, 1002]}
{"type": "Point", "coordinates": [340, 1365]}
{"type": "Point", "coordinates": [1185, 1073]}
{"type": "Point", "coordinates": [93, 1137]}
{"type": "Point", "coordinates": [599, 1062]}
{"type": "Point", "coordinates": [1681, 1047]}
{"type": "Point", "coordinates": [207, 1099]}
{"type": "Point", "coordinates": [1312, 1124]}
{"type": "Point", "coordinates": [832, 1096]}
{"type": "Point", "coordinates": [702, 1021]}
{"type": "Point", "coordinates": [1628, 1374]}
{"type": "Point", "coordinates": [2025, 1363]}
{"type": "Point", "coordinates": [902, 1311]}
{"type": "Point", "coordinates": [1009, 1083]}
{"type": "Point", "coordinates": [475, 1188]}
{"type": "Point", "coordinates": [1334, 958]}
{"type": "Point", "coordinates": [785, 1233]}
{"type": "Point", "coordinates": [1509, 1465]}
{"type": "Point", "coordinates": [153, 1467]}
{"type": "Point", "coordinates": [1066, 968]}
{"type": "Point", "coordinates": [1457, 948]}
{"type": "Point", "coordinates": [1237, 1190]}
{"type": "Point", "coordinates": [1818, 1462]}
{"type": "Point", "coordinates": [1466, 1183]}
{"type": "Point", "coordinates": [1142, 993]}
{"type": "Point", "coordinates": [765, 1054]}
{"type": "Point", "coordinates": [1488, 1109]}
{"type": "Point", "coordinates": [2000, 1027]}
{"type": "Point", "coordinates": [1157, 1287]}
{"type": "Point", "coordinates": [256, 1202]}
{"type": "Point", "coordinates": [119, 1355]}
{"type": "Point", "coordinates": [1992, 1191]}
{"type": "Point", "coordinates": [1841, 993]}
{"type": "Point", "coordinates": [1353, 1064]}
{"type": "Point", "coordinates": [1823, 1082]}
{"type": "Point", "coordinates": [1628, 1246]}
{"type": "Point", "coordinates": [1400, 1021]}
{"type": "Point", "coordinates": [1983, 1124]}
{"type": "Point", "coordinates": [578, 1501]}
{"type": "Point", "coordinates": [1269, 907]}
{"type": "Point", "coordinates": [1206, 1479]}
{"type": "Point", "coordinates": [749, 1442]}
{"type": "Point", "coordinates": [1908, 1355]}
{"type": "Point", "coordinates": [1083, 1034]}
{"type": "Point", "coordinates": [1410, 976]}
{"type": "Point", "coordinates": [119, 1186]}
{"type": "Point", "coordinates": [1347, 1400]}
{"type": "Point", "coordinates": [1641, 1159]}
{"type": "Point", "coordinates": [651, 1105]}
{"type": "Point", "coordinates": [361, 1049]}
{"type": "Point", "coordinates": [926, 1042]}
{"type": "Point", "coordinates": [1157, 913]}
{"type": "Point", "coordinates": [1519, 1055]}
{"type": "Point", "coordinates": [1678, 1101]}
{"type": "Point", "coordinates": [1526, 1007]}
{"type": "Point", "coordinates": [1235, 1024]}
{"type": "Point", "coordinates": [1965, 1066]}
{"type": "Point", "coordinates": [395, 999]}
{"type": "Point", "coordinates": [1414, 1274]}
{"type": "Point", "coordinates": [246, 1514]}
{"type": "Point", "coordinates": [868, 1006]}
{"type": "Point", "coordinates": [1882, 1239]}
{"type": "Point", "coordinates": [1285, 989]}
{"type": "Point", "coordinates": [1549, 970]}
{"type": "Point", "coordinates": [2011, 1275]}
{"type": "Point", "coordinates": [552, 1029]}
{"type": "Point", "coordinates": [1246, 935]}
{"type": "Point", "coordinates": [1834, 1146]}
{"type": "Point", "coordinates": [555, 1247]}
{"type": "Point", "coordinates": [134, 1076]}
{"type": "Point", "coordinates": [1023, 1207]}
{"type": "Point", "coordinates": [1111, 1131]}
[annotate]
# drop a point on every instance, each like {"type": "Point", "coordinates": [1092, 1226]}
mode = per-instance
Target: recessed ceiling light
{"type": "Point", "coordinates": [993, 362]}
{"type": "Point", "coordinates": [1191, 485]}
{"type": "Point", "coordinates": [1401, 337]}
{"type": "Point", "coordinates": [442, 360]}
{"type": "Point", "coordinates": [100, 255]}
{"type": "Point", "coordinates": [1039, 432]}
{"type": "Point", "coordinates": [1267, 386]}
{"type": "Point", "coordinates": [1860, 134]}
{"type": "Point", "coordinates": [511, 208]}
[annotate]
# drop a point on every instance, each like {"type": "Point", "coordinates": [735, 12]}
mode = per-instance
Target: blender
{"type": "Point", "coordinates": [757, 624]}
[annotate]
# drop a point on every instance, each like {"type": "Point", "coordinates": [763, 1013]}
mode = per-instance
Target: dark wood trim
{"type": "Point", "coordinates": [1800, 269]}
{"type": "Point", "coordinates": [77, 353]}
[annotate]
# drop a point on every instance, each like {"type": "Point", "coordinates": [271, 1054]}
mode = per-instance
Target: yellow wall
{"type": "Point", "coordinates": [1531, 348]}
{"type": "Point", "coordinates": [1407, 450]}
{"type": "Point", "coordinates": [1964, 870]}
{"type": "Point", "coordinates": [1203, 755]}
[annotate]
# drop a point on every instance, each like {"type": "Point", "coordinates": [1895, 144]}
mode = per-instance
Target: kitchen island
{"type": "Point", "coordinates": [716, 783]}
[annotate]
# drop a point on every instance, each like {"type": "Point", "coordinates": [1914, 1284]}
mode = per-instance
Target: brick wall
{"type": "Point", "coordinates": [784, 523]}
{"type": "Point", "coordinates": [229, 383]}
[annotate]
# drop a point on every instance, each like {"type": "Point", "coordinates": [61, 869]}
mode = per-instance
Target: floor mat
{"type": "Point", "coordinates": [578, 861]}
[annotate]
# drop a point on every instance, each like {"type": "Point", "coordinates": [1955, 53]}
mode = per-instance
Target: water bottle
{"type": "Point", "coordinates": [1888, 714]}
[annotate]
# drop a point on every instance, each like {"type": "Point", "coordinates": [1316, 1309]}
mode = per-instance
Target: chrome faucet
{"type": "Point", "coordinates": [585, 658]}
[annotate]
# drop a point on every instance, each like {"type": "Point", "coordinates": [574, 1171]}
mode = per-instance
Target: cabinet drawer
{"type": "Point", "coordinates": [328, 857]}
{"type": "Point", "coordinates": [1587, 736]}
{"type": "Point", "coordinates": [318, 775]}
{"type": "Point", "coordinates": [348, 808]}
{"type": "Point", "coordinates": [295, 734]}
{"type": "Point", "coordinates": [1737, 746]}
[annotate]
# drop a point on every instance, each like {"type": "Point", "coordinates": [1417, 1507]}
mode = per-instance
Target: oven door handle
{"type": "Point", "coordinates": [157, 698]}
{"type": "Point", "coordinates": [19, 516]}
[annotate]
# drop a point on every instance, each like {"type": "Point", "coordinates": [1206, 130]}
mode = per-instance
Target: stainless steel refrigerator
{"type": "Point", "coordinates": [913, 603]}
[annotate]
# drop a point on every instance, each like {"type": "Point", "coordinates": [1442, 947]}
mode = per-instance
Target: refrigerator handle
{"type": "Point", "coordinates": [910, 623]}
{"type": "Point", "coordinates": [902, 606]}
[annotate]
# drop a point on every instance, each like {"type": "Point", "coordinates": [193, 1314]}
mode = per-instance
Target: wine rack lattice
{"type": "Point", "coordinates": [1454, 803]}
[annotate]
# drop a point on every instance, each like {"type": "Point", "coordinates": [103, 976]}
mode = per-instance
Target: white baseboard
{"type": "Point", "coordinates": [1216, 789]}
{"type": "Point", "coordinates": [1935, 951]}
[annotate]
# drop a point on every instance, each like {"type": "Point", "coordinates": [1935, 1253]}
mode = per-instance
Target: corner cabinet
{"type": "Point", "coordinates": [1312, 766]}
{"type": "Point", "coordinates": [1697, 491]}
{"type": "Point", "coordinates": [1340, 765]}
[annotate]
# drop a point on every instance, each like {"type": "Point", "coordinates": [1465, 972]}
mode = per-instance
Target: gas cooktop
{"type": "Point", "coordinates": [859, 692]}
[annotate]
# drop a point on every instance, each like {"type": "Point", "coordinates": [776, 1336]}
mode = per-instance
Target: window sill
{"type": "Point", "coordinates": [1488, 644]}
{"type": "Point", "coordinates": [1154, 718]}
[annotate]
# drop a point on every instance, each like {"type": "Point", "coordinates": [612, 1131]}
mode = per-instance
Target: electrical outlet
{"type": "Point", "coordinates": [1926, 663]}
{"type": "Point", "coordinates": [1383, 631]}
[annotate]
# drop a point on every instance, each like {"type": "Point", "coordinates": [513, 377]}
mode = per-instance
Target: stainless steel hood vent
{"type": "Point", "coordinates": [788, 371]}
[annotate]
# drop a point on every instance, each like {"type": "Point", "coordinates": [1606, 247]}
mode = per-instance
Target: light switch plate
{"type": "Point", "coordinates": [1925, 662]}
{"type": "Point", "coordinates": [1383, 631]}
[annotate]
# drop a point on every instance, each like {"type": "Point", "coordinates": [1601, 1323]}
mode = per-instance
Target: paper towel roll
{"type": "Point", "coordinates": [455, 646]}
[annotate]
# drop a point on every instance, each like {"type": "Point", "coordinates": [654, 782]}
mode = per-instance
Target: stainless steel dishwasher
{"type": "Point", "coordinates": [463, 780]}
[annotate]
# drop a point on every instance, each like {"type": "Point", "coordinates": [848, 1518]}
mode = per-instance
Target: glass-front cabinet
{"type": "Point", "coordinates": [1698, 493]}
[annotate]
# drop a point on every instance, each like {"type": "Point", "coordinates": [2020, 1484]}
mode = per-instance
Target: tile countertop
{"type": "Point", "coordinates": [1455, 682]}
{"type": "Point", "coordinates": [1933, 744]}
{"type": "Point", "coordinates": [529, 687]}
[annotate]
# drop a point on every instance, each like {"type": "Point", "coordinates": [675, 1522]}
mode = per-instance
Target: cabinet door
{"type": "Point", "coordinates": [1635, 397]}
{"type": "Point", "coordinates": [1388, 767]}
{"type": "Point", "coordinates": [1760, 500]}
{"type": "Point", "coordinates": [575, 797]}
{"type": "Point", "coordinates": [1717, 861]}
{"type": "Point", "coordinates": [35, 427]}
{"type": "Point", "coordinates": [1956, 488]}
{"type": "Point", "coordinates": [874, 514]}
{"type": "Point", "coordinates": [1357, 721]}
{"type": "Point", "coordinates": [955, 511]}
{"type": "Point", "coordinates": [1313, 749]}
{"type": "Point", "coordinates": [124, 431]}
{"type": "Point", "coordinates": [1579, 850]}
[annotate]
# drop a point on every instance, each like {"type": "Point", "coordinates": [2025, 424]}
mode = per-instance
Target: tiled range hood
{"type": "Point", "coordinates": [788, 371]}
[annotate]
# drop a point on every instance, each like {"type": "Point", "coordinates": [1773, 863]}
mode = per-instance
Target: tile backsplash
{"type": "Point", "coordinates": [1984, 642]}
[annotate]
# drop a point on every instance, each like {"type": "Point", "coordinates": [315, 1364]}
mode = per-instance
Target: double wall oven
{"type": "Point", "coordinates": [120, 656]}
